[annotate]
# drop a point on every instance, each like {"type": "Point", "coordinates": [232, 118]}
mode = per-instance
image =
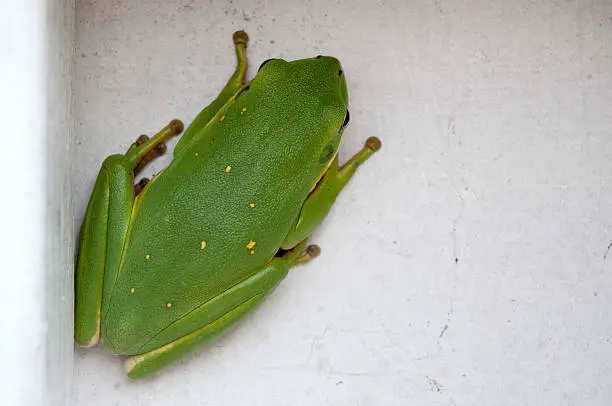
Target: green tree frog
{"type": "Point", "coordinates": [167, 264]}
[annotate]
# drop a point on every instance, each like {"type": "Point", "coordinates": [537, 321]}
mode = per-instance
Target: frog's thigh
{"type": "Point", "coordinates": [100, 242]}
{"type": "Point", "coordinates": [219, 314]}
{"type": "Point", "coordinates": [231, 88]}
{"type": "Point", "coordinates": [104, 231]}
{"type": "Point", "coordinates": [321, 199]}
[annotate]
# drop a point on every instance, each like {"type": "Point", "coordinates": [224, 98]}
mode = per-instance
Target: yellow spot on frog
{"type": "Point", "coordinates": [203, 244]}
{"type": "Point", "coordinates": [222, 118]}
{"type": "Point", "coordinates": [227, 169]}
{"type": "Point", "coordinates": [147, 256]}
{"type": "Point", "coordinates": [132, 290]}
{"type": "Point", "coordinates": [252, 252]}
{"type": "Point", "coordinates": [169, 305]}
{"type": "Point", "coordinates": [243, 110]}
{"type": "Point", "coordinates": [251, 244]}
{"type": "Point", "coordinates": [196, 154]}
{"type": "Point", "coordinates": [252, 205]}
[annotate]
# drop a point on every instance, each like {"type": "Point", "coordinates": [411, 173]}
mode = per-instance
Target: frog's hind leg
{"type": "Point", "coordinates": [219, 314]}
{"type": "Point", "coordinates": [159, 150]}
{"type": "Point", "coordinates": [321, 199]}
{"type": "Point", "coordinates": [235, 83]}
{"type": "Point", "coordinates": [103, 233]}
{"type": "Point", "coordinates": [146, 149]}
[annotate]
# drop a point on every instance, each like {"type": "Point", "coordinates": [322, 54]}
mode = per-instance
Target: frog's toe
{"type": "Point", "coordinates": [176, 126]}
{"type": "Point", "coordinates": [373, 143]}
{"type": "Point", "coordinates": [160, 149]}
{"type": "Point", "coordinates": [311, 252]}
{"type": "Point", "coordinates": [141, 140]}
{"type": "Point", "coordinates": [241, 37]}
{"type": "Point", "coordinates": [140, 185]}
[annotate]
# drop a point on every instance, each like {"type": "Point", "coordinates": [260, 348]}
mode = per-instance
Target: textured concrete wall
{"type": "Point", "coordinates": [466, 264]}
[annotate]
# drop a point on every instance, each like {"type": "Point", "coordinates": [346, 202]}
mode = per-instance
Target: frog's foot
{"type": "Point", "coordinates": [146, 149]}
{"type": "Point", "coordinates": [311, 252]}
{"type": "Point", "coordinates": [299, 254]}
{"type": "Point", "coordinates": [158, 151]}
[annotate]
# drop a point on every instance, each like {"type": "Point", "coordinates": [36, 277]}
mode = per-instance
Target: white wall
{"type": "Point", "coordinates": [59, 257]}
{"type": "Point", "coordinates": [36, 234]}
{"type": "Point", "coordinates": [22, 109]}
{"type": "Point", "coordinates": [466, 264]}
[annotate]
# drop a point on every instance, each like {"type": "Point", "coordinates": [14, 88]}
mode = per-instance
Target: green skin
{"type": "Point", "coordinates": [166, 265]}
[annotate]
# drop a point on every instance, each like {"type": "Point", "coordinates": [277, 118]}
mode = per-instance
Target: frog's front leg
{"type": "Point", "coordinates": [235, 82]}
{"type": "Point", "coordinates": [104, 231]}
{"type": "Point", "coordinates": [321, 199]}
{"type": "Point", "coordinates": [219, 314]}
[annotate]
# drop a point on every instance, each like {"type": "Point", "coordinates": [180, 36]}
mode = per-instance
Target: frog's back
{"type": "Point", "coordinates": [218, 212]}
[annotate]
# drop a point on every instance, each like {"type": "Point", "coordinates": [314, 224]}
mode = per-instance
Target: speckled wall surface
{"type": "Point", "coordinates": [466, 264]}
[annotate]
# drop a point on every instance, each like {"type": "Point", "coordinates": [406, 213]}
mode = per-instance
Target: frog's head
{"type": "Point", "coordinates": [310, 100]}
{"type": "Point", "coordinates": [321, 75]}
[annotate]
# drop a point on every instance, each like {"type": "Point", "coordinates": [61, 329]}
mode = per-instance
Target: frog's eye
{"type": "Point", "coordinates": [347, 118]}
{"type": "Point", "coordinates": [265, 62]}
